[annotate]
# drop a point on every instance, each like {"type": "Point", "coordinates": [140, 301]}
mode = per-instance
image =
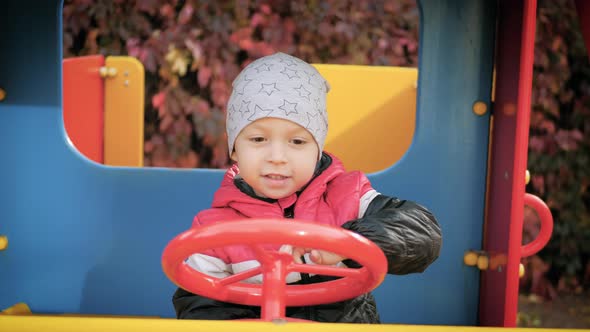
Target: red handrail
{"type": "Point", "coordinates": [546, 219]}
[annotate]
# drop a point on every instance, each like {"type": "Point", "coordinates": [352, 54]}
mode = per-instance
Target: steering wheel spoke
{"type": "Point", "coordinates": [239, 276]}
{"type": "Point", "coordinates": [327, 270]}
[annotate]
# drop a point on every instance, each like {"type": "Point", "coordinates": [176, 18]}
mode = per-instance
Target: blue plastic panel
{"type": "Point", "coordinates": [445, 167]}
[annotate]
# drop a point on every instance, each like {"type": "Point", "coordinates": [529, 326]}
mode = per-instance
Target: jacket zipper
{"type": "Point", "coordinates": [289, 213]}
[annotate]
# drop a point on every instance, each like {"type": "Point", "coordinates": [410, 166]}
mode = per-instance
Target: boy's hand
{"type": "Point", "coordinates": [319, 257]}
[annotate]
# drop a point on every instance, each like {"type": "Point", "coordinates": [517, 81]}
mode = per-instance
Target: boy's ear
{"type": "Point", "coordinates": [234, 156]}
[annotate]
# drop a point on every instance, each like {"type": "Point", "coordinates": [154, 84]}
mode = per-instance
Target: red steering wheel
{"type": "Point", "coordinates": [274, 295]}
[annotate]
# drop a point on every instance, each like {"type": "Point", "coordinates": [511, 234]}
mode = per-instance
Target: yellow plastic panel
{"type": "Point", "coordinates": [124, 114]}
{"type": "Point", "coordinates": [75, 324]}
{"type": "Point", "coordinates": [372, 114]}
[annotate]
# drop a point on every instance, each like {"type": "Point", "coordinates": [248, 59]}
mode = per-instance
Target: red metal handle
{"type": "Point", "coordinates": [546, 225]}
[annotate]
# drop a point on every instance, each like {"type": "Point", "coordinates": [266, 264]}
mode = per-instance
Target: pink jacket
{"type": "Point", "coordinates": [406, 232]}
{"type": "Point", "coordinates": [333, 197]}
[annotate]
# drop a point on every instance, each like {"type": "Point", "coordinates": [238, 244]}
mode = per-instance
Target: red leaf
{"type": "Point", "coordinates": [265, 9]}
{"type": "Point", "coordinates": [166, 122]}
{"type": "Point", "coordinates": [246, 44]}
{"type": "Point", "coordinates": [148, 147]}
{"type": "Point", "coordinates": [202, 107]}
{"type": "Point", "coordinates": [167, 11]}
{"type": "Point", "coordinates": [257, 20]}
{"type": "Point", "coordinates": [133, 47]}
{"type": "Point", "coordinates": [203, 76]}
{"type": "Point", "coordinates": [538, 182]}
{"type": "Point", "coordinates": [159, 99]}
{"type": "Point", "coordinates": [186, 14]}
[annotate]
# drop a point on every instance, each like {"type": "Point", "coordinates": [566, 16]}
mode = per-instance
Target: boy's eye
{"type": "Point", "coordinates": [257, 139]}
{"type": "Point", "coordinates": [298, 141]}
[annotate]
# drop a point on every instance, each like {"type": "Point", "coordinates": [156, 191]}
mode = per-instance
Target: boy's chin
{"type": "Point", "coordinates": [274, 195]}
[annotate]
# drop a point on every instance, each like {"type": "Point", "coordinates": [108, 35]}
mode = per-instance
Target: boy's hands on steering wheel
{"type": "Point", "coordinates": [320, 257]}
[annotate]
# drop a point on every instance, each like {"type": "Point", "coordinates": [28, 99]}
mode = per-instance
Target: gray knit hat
{"type": "Point", "coordinates": [278, 86]}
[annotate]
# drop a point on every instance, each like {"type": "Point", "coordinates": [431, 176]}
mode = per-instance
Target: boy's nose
{"type": "Point", "coordinates": [277, 153]}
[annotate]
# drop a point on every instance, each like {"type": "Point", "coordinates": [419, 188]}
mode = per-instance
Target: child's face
{"type": "Point", "coordinates": [276, 157]}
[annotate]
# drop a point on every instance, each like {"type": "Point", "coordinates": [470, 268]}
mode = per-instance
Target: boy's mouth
{"type": "Point", "coordinates": [275, 176]}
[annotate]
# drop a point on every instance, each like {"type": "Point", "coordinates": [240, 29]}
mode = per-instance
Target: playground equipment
{"type": "Point", "coordinates": [103, 102]}
{"type": "Point", "coordinates": [274, 295]}
{"type": "Point", "coordinates": [113, 134]}
{"type": "Point", "coordinates": [86, 239]}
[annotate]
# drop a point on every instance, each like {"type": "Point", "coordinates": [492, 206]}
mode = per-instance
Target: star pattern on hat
{"type": "Point", "coordinates": [278, 86]}
{"type": "Point", "coordinates": [312, 123]}
{"type": "Point", "coordinates": [231, 113]}
{"type": "Point", "coordinates": [241, 86]}
{"type": "Point", "coordinates": [263, 67]}
{"type": "Point", "coordinates": [244, 107]}
{"type": "Point", "coordinates": [233, 128]}
{"type": "Point", "coordinates": [317, 104]}
{"type": "Point", "coordinates": [259, 110]}
{"type": "Point", "coordinates": [324, 118]}
{"type": "Point", "coordinates": [231, 118]}
{"type": "Point", "coordinates": [310, 78]}
{"type": "Point", "coordinates": [269, 88]}
{"type": "Point", "coordinates": [288, 107]}
{"type": "Point", "coordinates": [291, 73]}
{"type": "Point", "coordinates": [303, 92]}
{"type": "Point", "coordinates": [288, 62]}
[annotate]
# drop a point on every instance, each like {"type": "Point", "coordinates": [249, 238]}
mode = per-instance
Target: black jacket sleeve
{"type": "Point", "coordinates": [192, 306]}
{"type": "Point", "coordinates": [408, 233]}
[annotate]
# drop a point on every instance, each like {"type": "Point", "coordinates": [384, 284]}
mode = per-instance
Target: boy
{"type": "Point", "coordinates": [276, 127]}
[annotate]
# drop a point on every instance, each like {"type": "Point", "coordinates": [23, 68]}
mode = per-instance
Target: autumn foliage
{"type": "Point", "coordinates": [559, 152]}
{"type": "Point", "coordinates": [192, 50]}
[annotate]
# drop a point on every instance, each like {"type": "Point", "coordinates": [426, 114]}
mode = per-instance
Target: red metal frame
{"type": "Point", "coordinates": [508, 159]}
{"type": "Point", "coordinates": [274, 295]}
